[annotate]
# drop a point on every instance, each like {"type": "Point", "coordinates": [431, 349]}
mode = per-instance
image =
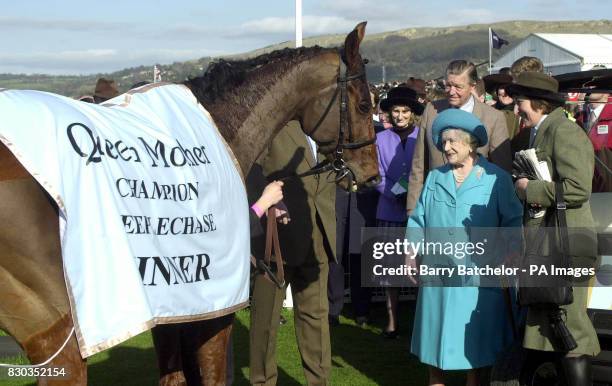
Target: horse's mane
{"type": "Point", "coordinates": [223, 76]}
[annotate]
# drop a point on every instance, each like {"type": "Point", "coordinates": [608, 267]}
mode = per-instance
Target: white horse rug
{"type": "Point", "coordinates": [153, 210]}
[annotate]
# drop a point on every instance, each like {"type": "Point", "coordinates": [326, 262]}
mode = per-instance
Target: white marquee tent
{"type": "Point", "coordinates": [562, 53]}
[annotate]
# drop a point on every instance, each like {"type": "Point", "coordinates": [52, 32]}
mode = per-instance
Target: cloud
{"type": "Point", "coordinates": [400, 14]}
{"type": "Point", "coordinates": [131, 30]}
{"type": "Point", "coordinates": [28, 24]}
{"type": "Point", "coordinates": [368, 10]}
{"type": "Point", "coordinates": [93, 61]}
{"type": "Point", "coordinates": [474, 16]}
{"type": "Point", "coordinates": [284, 28]}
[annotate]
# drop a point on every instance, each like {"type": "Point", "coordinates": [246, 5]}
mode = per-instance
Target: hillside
{"type": "Point", "coordinates": [421, 52]}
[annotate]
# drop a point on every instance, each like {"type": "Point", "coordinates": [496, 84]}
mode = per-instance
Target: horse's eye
{"type": "Point", "coordinates": [364, 106]}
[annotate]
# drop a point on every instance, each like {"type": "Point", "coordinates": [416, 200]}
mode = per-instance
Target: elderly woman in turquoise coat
{"type": "Point", "coordinates": [467, 327]}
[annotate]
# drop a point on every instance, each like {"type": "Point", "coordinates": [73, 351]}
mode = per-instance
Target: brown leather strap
{"type": "Point", "coordinates": [273, 242]}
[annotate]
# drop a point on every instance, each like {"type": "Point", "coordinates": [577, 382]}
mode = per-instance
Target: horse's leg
{"type": "Point", "coordinates": [213, 338]}
{"type": "Point", "coordinates": [34, 306]}
{"type": "Point", "coordinates": [40, 335]}
{"type": "Point", "coordinates": [193, 353]}
{"type": "Point", "coordinates": [167, 342]}
{"type": "Point", "coordinates": [42, 345]}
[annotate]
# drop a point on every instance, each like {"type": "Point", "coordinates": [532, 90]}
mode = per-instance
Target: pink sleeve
{"type": "Point", "coordinates": [258, 211]}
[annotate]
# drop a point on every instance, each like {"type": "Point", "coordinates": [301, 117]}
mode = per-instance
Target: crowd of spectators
{"type": "Point", "coordinates": [446, 148]}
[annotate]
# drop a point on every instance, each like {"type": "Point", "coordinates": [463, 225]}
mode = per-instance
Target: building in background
{"type": "Point", "coordinates": [562, 53]}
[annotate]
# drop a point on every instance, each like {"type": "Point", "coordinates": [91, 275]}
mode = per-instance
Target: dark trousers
{"type": "Point", "coordinates": [335, 287]}
{"type": "Point", "coordinates": [360, 296]}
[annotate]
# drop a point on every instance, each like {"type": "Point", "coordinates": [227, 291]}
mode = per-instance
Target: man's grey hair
{"type": "Point", "coordinates": [458, 67]}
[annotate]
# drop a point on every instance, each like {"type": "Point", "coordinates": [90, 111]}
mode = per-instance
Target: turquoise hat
{"type": "Point", "coordinates": [458, 119]}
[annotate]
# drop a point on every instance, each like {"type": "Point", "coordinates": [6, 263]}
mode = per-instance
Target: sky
{"type": "Point", "coordinates": [88, 37]}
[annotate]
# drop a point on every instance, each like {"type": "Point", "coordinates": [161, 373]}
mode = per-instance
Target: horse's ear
{"type": "Point", "coordinates": [351, 45]}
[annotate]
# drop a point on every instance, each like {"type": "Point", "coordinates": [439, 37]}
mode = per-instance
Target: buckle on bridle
{"type": "Point", "coordinates": [339, 164]}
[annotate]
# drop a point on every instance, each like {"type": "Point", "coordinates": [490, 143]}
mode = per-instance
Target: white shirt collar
{"type": "Point", "coordinates": [540, 121]}
{"type": "Point", "coordinates": [534, 130]}
{"type": "Point", "coordinates": [469, 105]}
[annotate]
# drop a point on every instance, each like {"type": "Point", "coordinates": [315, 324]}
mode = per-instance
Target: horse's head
{"type": "Point", "coordinates": [339, 116]}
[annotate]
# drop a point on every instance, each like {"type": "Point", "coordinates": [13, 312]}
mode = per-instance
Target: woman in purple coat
{"type": "Point", "coordinates": [395, 150]}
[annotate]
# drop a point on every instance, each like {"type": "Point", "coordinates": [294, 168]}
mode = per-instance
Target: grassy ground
{"type": "Point", "coordinates": [360, 356]}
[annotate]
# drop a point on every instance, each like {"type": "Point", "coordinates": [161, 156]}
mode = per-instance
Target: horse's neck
{"type": "Point", "coordinates": [279, 101]}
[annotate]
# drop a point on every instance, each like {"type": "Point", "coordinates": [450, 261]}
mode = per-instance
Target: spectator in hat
{"type": "Point", "coordinates": [461, 79]}
{"type": "Point", "coordinates": [569, 155]}
{"type": "Point", "coordinates": [505, 71]}
{"type": "Point", "coordinates": [395, 150]}
{"type": "Point", "coordinates": [496, 84]}
{"type": "Point", "coordinates": [520, 140]}
{"type": "Point", "coordinates": [459, 325]}
{"type": "Point", "coordinates": [105, 90]}
{"type": "Point", "coordinates": [418, 85]}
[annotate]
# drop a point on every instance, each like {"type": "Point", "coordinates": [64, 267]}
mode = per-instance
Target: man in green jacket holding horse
{"type": "Point", "coordinates": [307, 244]}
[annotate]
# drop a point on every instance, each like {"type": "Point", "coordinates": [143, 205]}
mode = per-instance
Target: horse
{"type": "Point", "coordinates": [250, 101]}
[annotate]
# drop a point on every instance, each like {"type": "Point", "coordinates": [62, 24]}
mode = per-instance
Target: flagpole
{"type": "Point", "coordinates": [490, 41]}
{"type": "Point", "coordinates": [298, 23]}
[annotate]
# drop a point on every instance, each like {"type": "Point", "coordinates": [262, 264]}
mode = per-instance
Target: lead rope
{"type": "Point", "coordinates": [45, 362]}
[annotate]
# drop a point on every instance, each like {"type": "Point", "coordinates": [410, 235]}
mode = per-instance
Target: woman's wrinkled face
{"type": "Point", "coordinates": [400, 115]}
{"type": "Point", "coordinates": [456, 149]}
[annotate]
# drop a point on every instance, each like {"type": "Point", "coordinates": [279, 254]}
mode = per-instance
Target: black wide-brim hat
{"type": "Point", "coordinates": [494, 81]}
{"type": "Point", "coordinates": [536, 85]}
{"type": "Point", "coordinates": [593, 81]}
{"type": "Point", "coordinates": [402, 96]}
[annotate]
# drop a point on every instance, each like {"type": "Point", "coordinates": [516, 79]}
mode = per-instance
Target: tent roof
{"type": "Point", "coordinates": [592, 48]}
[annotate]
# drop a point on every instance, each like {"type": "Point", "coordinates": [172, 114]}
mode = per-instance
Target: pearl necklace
{"type": "Point", "coordinates": [459, 178]}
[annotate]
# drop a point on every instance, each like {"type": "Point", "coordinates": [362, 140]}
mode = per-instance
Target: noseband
{"type": "Point", "coordinates": [338, 164]}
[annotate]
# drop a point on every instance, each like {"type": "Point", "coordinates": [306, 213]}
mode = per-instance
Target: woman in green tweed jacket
{"type": "Point", "coordinates": [569, 154]}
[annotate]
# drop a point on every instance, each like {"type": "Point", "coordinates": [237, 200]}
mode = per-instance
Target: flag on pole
{"type": "Point", "coordinates": [497, 41]}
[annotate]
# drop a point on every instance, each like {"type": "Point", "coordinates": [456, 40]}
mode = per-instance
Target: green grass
{"type": "Point", "coordinates": [360, 356]}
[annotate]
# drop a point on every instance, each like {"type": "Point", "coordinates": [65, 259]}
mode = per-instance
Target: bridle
{"type": "Point", "coordinates": [338, 165]}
